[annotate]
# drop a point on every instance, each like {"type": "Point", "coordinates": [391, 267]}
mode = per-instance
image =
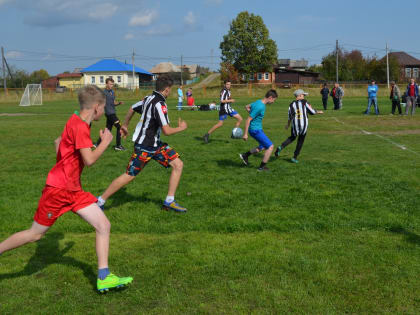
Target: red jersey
{"type": "Point", "coordinates": [412, 91]}
{"type": "Point", "coordinates": [66, 172]}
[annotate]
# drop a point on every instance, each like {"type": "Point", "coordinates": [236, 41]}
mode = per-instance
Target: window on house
{"type": "Point", "coordinates": [407, 72]}
{"type": "Point", "coordinates": [119, 79]}
{"type": "Point", "coordinates": [266, 76]}
{"type": "Point", "coordinates": [259, 76]}
{"type": "Point", "coordinates": [244, 77]}
{"type": "Point", "coordinates": [251, 77]}
{"type": "Point", "coordinates": [92, 80]}
{"type": "Point", "coordinates": [416, 72]}
{"type": "Point", "coordinates": [101, 79]}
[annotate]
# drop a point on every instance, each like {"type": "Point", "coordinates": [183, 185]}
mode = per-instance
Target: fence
{"type": "Point", "coordinates": [208, 92]}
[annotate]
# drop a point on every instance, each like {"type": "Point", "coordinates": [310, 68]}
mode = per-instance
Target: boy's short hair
{"type": "Point", "coordinates": [109, 79]}
{"type": "Point", "coordinates": [90, 95]}
{"type": "Point", "coordinates": [163, 82]}
{"type": "Point", "coordinates": [271, 93]}
{"type": "Point", "coordinates": [226, 81]}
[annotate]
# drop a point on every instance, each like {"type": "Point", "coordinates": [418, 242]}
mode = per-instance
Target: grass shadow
{"type": "Point", "coordinates": [211, 140]}
{"type": "Point", "coordinates": [47, 253]}
{"type": "Point", "coordinates": [121, 197]}
{"type": "Point", "coordinates": [409, 236]}
{"type": "Point", "coordinates": [230, 163]}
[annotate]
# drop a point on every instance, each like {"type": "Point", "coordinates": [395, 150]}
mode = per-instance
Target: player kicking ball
{"type": "Point", "coordinates": [63, 191]}
{"type": "Point", "coordinates": [298, 117]}
{"type": "Point", "coordinates": [225, 111]}
{"type": "Point", "coordinates": [254, 125]}
{"type": "Point", "coordinates": [148, 146]}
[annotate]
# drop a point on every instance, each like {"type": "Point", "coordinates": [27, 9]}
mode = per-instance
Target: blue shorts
{"type": "Point", "coordinates": [263, 141]}
{"type": "Point", "coordinates": [223, 117]}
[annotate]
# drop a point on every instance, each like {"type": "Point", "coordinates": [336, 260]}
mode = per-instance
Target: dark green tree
{"type": "Point", "coordinates": [247, 46]}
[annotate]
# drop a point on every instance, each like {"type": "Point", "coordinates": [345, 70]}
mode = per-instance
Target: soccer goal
{"type": "Point", "coordinates": [32, 95]}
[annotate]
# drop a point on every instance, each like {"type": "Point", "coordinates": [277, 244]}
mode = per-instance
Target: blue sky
{"type": "Point", "coordinates": [59, 35]}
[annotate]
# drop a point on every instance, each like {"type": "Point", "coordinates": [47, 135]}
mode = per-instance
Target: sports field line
{"type": "Point", "coordinates": [402, 147]}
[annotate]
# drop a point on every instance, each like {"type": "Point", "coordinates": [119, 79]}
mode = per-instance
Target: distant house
{"type": "Point", "coordinates": [122, 73]}
{"type": "Point", "coordinates": [71, 80]}
{"type": "Point", "coordinates": [169, 67]}
{"type": "Point", "coordinates": [295, 76]}
{"type": "Point", "coordinates": [409, 65]}
{"type": "Point", "coordinates": [301, 64]}
{"type": "Point", "coordinates": [259, 77]}
{"type": "Point", "coordinates": [50, 83]}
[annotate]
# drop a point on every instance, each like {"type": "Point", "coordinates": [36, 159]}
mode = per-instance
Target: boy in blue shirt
{"type": "Point", "coordinates": [372, 91]}
{"type": "Point", "coordinates": [254, 125]}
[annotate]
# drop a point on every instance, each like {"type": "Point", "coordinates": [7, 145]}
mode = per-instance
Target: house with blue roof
{"type": "Point", "coordinates": [121, 72]}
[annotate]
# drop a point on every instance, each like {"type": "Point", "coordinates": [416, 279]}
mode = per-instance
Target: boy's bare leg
{"type": "Point", "coordinates": [218, 125]}
{"type": "Point", "coordinates": [33, 234]}
{"type": "Point", "coordinates": [177, 166]}
{"type": "Point", "coordinates": [267, 154]}
{"type": "Point", "coordinates": [96, 217]}
{"type": "Point", "coordinates": [116, 185]}
{"type": "Point", "coordinates": [238, 120]}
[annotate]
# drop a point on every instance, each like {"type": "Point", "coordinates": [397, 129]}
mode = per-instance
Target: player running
{"type": "Point", "coordinates": [63, 191]}
{"type": "Point", "coordinates": [254, 124]}
{"type": "Point", "coordinates": [148, 146]}
{"type": "Point", "coordinates": [225, 110]}
{"type": "Point", "coordinates": [298, 117]}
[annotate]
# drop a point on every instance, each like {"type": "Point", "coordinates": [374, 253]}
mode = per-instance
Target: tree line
{"type": "Point", "coordinates": [18, 78]}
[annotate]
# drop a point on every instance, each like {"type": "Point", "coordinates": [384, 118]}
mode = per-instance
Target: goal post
{"type": "Point", "coordinates": [32, 95]}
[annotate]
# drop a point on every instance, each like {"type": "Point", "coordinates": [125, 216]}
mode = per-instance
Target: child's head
{"type": "Point", "coordinates": [92, 98]}
{"type": "Point", "coordinates": [300, 94]}
{"type": "Point", "coordinates": [109, 83]}
{"type": "Point", "coordinates": [164, 85]}
{"type": "Point", "coordinates": [271, 96]}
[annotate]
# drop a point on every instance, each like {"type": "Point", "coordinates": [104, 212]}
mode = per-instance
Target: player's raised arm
{"type": "Point", "coordinates": [168, 130]}
{"type": "Point", "coordinates": [57, 144]}
{"type": "Point", "coordinates": [90, 157]}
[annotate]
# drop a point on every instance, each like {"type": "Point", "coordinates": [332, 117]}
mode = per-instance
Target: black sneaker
{"type": "Point", "coordinates": [263, 169]}
{"type": "Point", "coordinates": [278, 150]}
{"type": "Point", "coordinates": [119, 148]}
{"type": "Point", "coordinates": [244, 159]}
{"type": "Point", "coordinates": [206, 138]}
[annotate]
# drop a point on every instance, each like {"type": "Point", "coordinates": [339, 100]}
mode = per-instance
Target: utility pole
{"type": "Point", "coordinates": [211, 61]}
{"type": "Point", "coordinates": [387, 65]}
{"type": "Point", "coordinates": [4, 71]}
{"type": "Point", "coordinates": [336, 60]}
{"type": "Point", "coordinates": [182, 82]}
{"type": "Point", "coordinates": [134, 78]}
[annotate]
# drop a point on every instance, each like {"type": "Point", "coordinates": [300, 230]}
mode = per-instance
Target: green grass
{"type": "Point", "coordinates": [337, 233]}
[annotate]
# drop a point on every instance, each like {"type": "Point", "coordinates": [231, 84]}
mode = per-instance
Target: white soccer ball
{"type": "Point", "coordinates": [212, 106]}
{"type": "Point", "coordinates": [237, 133]}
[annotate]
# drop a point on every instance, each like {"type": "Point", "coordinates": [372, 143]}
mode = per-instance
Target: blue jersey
{"type": "Point", "coordinates": [372, 90]}
{"type": "Point", "coordinates": [257, 113]}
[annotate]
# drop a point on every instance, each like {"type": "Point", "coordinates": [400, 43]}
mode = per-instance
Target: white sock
{"type": "Point", "coordinates": [169, 199]}
{"type": "Point", "coordinates": [100, 202]}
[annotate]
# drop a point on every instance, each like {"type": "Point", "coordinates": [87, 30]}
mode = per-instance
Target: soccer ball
{"type": "Point", "coordinates": [237, 133]}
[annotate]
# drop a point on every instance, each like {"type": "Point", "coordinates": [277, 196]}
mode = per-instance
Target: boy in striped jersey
{"type": "Point", "coordinates": [298, 117]}
{"type": "Point", "coordinates": [148, 146]}
{"type": "Point", "coordinates": [225, 111]}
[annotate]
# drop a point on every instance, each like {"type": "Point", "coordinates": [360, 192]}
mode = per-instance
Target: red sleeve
{"type": "Point", "coordinates": [82, 137]}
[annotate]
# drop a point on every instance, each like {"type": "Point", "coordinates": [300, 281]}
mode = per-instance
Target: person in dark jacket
{"type": "Point", "coordinates": [325, 92]}
{"type": "Point", "coordinates": [395, 98]}
{"type": "Point", "coordinates": [337, 94]}
{"type": "Point", "coordinates": [412, 94]}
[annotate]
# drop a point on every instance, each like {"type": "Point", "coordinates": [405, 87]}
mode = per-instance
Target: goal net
{"type": "Point", "coordinates": [32, 95]}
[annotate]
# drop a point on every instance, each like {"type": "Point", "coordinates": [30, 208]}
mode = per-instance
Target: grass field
{"type": "Point", "coordinates": [337, 233]}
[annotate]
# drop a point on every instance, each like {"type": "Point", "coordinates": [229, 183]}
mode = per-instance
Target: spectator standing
{"type": "Point", "coordinates": [180, 97]}
{"type": "Point", "coordinates": [325, 92]}
{"type": "Point", "coordinates": [395, 98]}
{"type": "Point", "coordinates": [190, 98]}
{"type": "Point", "coordinates": [337, 94]}
{"type": "Point", "coordinates": [372, 97]}
{"type": "Point", "coordinates": [412, 94]}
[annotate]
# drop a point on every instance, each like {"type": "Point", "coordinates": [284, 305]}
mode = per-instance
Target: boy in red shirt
{"type": "Point", "coordinates": [63, 191]}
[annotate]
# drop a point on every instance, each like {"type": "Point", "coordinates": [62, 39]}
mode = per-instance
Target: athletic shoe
{"type": "Point", "coordinates": [112, 281]}
{"type": "Point", "coordinates": [293, 160]}
{"type": "Point", "coordinates": [244, 159]}
{"type": "Point", "coordinates": [206, 138]}
{"type": "Point", "coordinates": [278, 150]}
{"type": "Point", "coordinates": [119, 148]}
{"type": "Point", "coordinates": [173, 206]}
{"type": "Point", "coordinates": [263, 169]}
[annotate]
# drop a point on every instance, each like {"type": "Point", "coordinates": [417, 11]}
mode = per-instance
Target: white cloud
{"type": "Point", "coordinates": [128, 36]}
{"type": "Point", "coordinates": [13, 54]}
{"type": "Point", "coordinates": [190, 18]}
{"type": "Point", "coordinates": [143, 18]}
{"type": "Point", "coordinates": [103, 11]}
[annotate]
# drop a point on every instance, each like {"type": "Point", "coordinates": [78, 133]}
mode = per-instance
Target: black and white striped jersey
{"type": "Point", "coordinates": [225, 108]}
{"type": "Point", "coordinates": [154, 115]}
{"type": "Point", "coordinates": [298, 115]}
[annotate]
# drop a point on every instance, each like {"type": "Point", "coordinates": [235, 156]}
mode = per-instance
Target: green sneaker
{"type": "Point", "coordinates": [112, 281]}
{"type": "Point", "coordinates": [277, 153]}
{"type": "Point", "coordinates": [293, 160]}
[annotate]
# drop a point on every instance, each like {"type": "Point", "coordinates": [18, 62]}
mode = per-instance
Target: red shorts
{"type": "Point", "coordinates": [55, 202]}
